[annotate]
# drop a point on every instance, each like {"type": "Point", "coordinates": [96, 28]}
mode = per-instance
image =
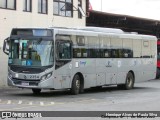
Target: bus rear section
{"type": "Point", "coordinates": [158, 59]}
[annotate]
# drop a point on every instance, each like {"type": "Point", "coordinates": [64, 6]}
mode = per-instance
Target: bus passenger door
{"type": "Point", "coordinates": [63, 67]}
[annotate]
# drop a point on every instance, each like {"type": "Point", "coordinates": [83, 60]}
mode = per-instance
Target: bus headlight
{"type": "Point", "coordinates": [47, 76]}
{"type": "Point", "coordinates": [43, 77]}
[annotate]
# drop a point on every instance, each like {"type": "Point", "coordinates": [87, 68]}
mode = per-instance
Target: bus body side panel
{"type": "Point", "coordinates": [124, 66]}
{"type": "Point", "coordinates": [148, 69]}
{"type": "Point", "coordinates": [106, 69]}
{"type": "Point", "coordinates": [101, 72]}
{"type": "Point", "coordinates": [63, 76]}
{"type": "Point", "coordinates": [87, 67]}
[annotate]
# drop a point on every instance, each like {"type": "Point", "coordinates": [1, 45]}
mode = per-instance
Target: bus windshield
{"type": "Point", "coordinates": [31, 53]}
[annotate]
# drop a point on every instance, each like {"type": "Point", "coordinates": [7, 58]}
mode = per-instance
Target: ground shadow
{"type": "Point", "coordinates": [64, 93]}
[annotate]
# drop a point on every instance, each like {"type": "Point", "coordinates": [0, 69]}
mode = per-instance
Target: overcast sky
{"type": "Point", "coordinates": [139, 8]}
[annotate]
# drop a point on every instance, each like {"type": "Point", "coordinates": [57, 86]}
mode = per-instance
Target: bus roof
{"type": "Point", "coordinates": [112, 32]}
{"type": "Point", "coordinates": [99, 29]}
{"type": "Point", "coordinates": [104, 31]}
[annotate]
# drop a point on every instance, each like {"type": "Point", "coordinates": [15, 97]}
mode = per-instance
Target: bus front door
{"type": "Point", "coordinates": [63, 63]}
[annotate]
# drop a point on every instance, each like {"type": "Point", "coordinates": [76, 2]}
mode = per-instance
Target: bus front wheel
{"type": "Point", "coordinates": [76, 83]}
{"type": "Point", "coordinates": [36, 91]}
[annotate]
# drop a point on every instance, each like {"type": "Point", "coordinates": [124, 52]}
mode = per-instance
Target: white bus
{"type": "Point", "coordinates": [78, 58]}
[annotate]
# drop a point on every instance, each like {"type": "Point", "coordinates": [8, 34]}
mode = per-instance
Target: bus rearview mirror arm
{"type": "Point", "coordinates": [6, 43]}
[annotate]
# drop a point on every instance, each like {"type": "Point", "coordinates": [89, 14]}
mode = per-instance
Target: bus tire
{"type": "Point", "coordinates": [76, 85]}
{"type": "Point", "coordinates": [36, 91]}
{"type": "Point", "coordinates": [157, 73]}
{"type": "Point", "coordinates": [129, 84]}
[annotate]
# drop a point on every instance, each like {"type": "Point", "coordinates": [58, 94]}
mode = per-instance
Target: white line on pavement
{"type": "Point", "coordinates": [30, 103]}
{"type": "Point", "coordinates": [9, 102]}
{"type": "Point", "coordinates": [20, 102]}
{"type": "Point", "coordinates": [52, 103]}
{"type": "Point", "coordinates": [41, 103]}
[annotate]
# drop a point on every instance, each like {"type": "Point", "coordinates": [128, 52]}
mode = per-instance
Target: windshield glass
{"type": "Point", "coordinates": [31, 53]}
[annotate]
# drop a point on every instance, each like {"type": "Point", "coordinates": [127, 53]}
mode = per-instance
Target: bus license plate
{"type": "Point", "coordinates": [25, 83]}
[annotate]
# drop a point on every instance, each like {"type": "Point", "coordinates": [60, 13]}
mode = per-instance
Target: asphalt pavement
{"type": "Point", "coordinates": [144, 97]}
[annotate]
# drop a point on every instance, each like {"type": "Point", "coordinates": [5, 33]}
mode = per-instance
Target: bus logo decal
{"type": "Point", "coordinates": [83, 63]}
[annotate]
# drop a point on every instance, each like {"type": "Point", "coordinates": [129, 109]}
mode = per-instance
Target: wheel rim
{"type": "Point", "coordinates": [77, 84]}
{"type": "Point", "coordinates": [129, 81]}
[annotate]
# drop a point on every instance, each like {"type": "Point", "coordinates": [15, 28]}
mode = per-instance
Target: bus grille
{"type": "Point", "coordinates": [30, 82]}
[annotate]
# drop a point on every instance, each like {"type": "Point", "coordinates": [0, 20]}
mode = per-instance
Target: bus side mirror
{"type": "Point", "coordinates": [6, 46]}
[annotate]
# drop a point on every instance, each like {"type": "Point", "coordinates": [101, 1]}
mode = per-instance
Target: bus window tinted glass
{"type": "Point", "coordinates": [153, 45]}
{"type": "Point", "coordinates": [127, 48]}
{"type": "Point", "coordinates": [146, 49]}
{"type": "Point", "coordinates": [137, 48]}
{"type": "Point", "coordinates": [116, 47]}
{"type": "Point", "coordinates": [64, 50]}
{"type": "Point", "coordinates": [80, 47]}
{"type": "Point", "coordinates": [93, 46]}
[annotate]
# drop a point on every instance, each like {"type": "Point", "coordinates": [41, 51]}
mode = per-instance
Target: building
{"type": "Point", "coordinates": [100, 16]}
{"type": "Point", "coordinates": [125, 22]}
{"type": "Point", "coordinates": [37, 13]}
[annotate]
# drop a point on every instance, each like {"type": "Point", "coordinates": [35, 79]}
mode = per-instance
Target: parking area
{"type": "Point", "coordinates": [144, 96]}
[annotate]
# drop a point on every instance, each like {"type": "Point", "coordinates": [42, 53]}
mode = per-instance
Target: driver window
{"type": "Point", "coordinates": [64, 50]}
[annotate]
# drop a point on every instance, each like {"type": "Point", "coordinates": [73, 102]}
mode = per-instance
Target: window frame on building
{"type": "Point", "coordinates": [25, 7]}
{"type": "Point", "coordinates": [60, 12]}
{"type": "Point", "coordinates": [42, 9]}
{"type": "Point", "coordinates": [6, 5]}
{"type": "Point", "coordinates": [79, 5]}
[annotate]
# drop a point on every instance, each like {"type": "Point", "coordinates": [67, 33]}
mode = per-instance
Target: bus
{"type": "Point", "coordinates": [78, 58]}
{"type": "Point", "coordinates": [158, 59]}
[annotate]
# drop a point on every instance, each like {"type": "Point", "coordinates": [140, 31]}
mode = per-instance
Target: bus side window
{"type": "Point", "coordinates": [63, 53]}
{"type": "Point", "coordinates": [107, 53]}
{"type": "Point", "coordinates": [64, 50]}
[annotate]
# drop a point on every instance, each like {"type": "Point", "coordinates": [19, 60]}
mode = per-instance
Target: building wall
{"type": "Point", "coordinates": [18, 18]}
{"type": "Point", "coordinates": [3, 69]}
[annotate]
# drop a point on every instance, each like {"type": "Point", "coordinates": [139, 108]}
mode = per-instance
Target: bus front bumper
{"type": "Point", "coordinates": [45, 84]}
